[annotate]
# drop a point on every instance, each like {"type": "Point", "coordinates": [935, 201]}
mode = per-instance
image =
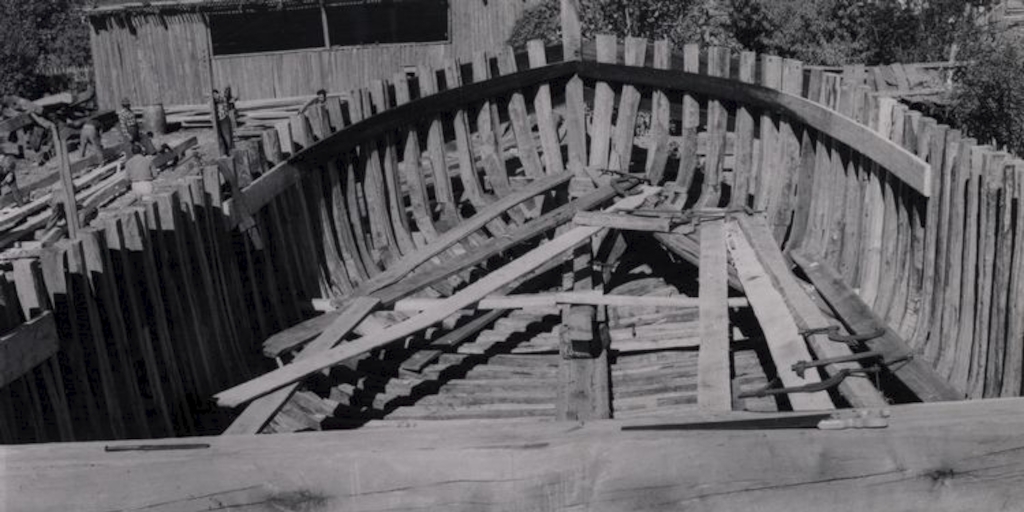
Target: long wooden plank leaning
{"type": "Point", "coordinates": [536, 258]}
{"type": "Point", "coordinates": [916, 374]}
{"type": "Point", "coordinates": [258, 413]}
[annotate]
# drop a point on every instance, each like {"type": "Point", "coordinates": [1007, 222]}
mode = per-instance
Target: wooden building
{"type": "Point", "coordinates": [166, 51]}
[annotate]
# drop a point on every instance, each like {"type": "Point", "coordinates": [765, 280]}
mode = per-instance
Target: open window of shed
{"type": "Point", "coordinates": [266, 31]}
{"type": "Point", "coordinates": [388, 22]}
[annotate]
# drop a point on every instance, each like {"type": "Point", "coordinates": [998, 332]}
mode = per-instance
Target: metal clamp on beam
{"type": "Point", "coordinates": [850, 339]}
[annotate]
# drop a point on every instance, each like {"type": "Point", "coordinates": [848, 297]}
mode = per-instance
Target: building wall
{"type": "Point", "coordinates": [154, 58]}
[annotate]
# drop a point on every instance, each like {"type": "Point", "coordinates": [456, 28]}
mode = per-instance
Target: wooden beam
{"type": "Point", "coordinates": [623, 221]}
{"type": "Point", "coordinates": [469, 295]}
{"type": "Point", "coordinates": [26, 347]}
{"type": "Point", "coordinates": [714, 371]}
{"type": "Point", "coordinates": [859, 392]}
{"type": "Point", "coordinates": [549, 300]}
{"type": "Point", "coordinates": [916, 374]}
{"type": "Point", "coordinates": [780, 331]}
{"type": "Point", "coordinates": [257, 414]}
{"type": "Point", "coordinates": [943, 457]}
{"type": "Point", "coordinates": [905, 165]}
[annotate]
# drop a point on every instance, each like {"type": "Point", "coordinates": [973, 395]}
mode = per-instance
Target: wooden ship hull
{"type": "Point", "coordinates": [627, 280]}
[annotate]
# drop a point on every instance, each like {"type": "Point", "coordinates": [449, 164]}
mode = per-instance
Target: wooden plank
{"type": "Point", "coordinates": [604, 104]}
{"type": "Point", "coordinates": [714, 371]}
{"type": "Point", "coordinates": [472, 293]}
{"type": "Point", "coordinates": [471, 188]}
{"type": "Point", "coordinates": [998, 348]}
{"type": "Point", "coordinates": [661, 116]}
{"type": "Point", "coordinates": [519, 118]}
{"type": "Point", "coordinates": [954, 266]}
{"type": "Point", "coordinates": [969, 276]}
{"type": "Point", "coordinates": [768, 174]}
{"type": "Point", "coordinates": [389, 158]}
{"type": "Point", "coordinates": [719, 62]}
{"type": "Point", "coordinates": [1012, 379]}
{"type": "Point", "coordinates": [992, 178]}
{"type": "Point", "coordinates": [858, 318]}
{"type": "Point", "coordinates": [777, 323]}
{"type": "Point", "coordinates": [544, 113]}
{"type": "Point", "coordinates": [257, 414]}
{"type": "Point", "coordinates": [629, 101]}
{"type": "Point", "coordinates": [874, 205]}
{"type": "Point", "coordinates": [488, 129]}
{"type": "Point", "coordinates": [928, 316]}
{"type": "Point", "coordinates": [859, 392]}
{"type": "Point", "coordinates": [624, 222]}
{"type": "Point", "coordinates": [690, 122]}
{"type": "Point", "coordinates": [548, 300]}
{"type": "Point", "coordinates": [449, 211]}
{"type": "Point", "coordinates": [27, 346]}
{"type": "Point", "coordinates": [789, 157]}
{"type": "Point", "coordinates": [742, 174]}
{"type": "Point", "coordinates": [735, 469]}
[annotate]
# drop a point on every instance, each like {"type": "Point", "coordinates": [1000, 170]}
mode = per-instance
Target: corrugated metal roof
{"type": "Point", "coordinates": [98, 7]}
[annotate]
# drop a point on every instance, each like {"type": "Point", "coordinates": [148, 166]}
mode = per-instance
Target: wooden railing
{"type": "Point", "coordinates": [159, 307]}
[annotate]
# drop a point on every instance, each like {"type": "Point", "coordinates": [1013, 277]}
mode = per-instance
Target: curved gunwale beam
{"type": "Point", "coordinates": [903, 164]}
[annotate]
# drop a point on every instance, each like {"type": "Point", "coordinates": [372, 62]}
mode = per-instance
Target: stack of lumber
{"type": "Point", "coordinates": [252, 114]}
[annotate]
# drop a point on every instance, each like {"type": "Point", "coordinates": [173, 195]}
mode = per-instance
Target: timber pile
{"type": "Point", "coordinates": [94, 188]}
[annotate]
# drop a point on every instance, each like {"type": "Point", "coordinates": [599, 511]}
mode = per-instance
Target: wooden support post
{"type": "Point", "coordinates": [572, 30]}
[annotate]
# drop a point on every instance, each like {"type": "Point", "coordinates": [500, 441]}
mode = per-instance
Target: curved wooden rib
{"type": "Point", "coordinates": [903, 164]}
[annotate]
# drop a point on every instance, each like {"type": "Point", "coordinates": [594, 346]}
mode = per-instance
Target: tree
{"type": "Point", "coordinates": [988, 100]}
{"type": "Point", "coordinates": [36, 35]}
{"type": "Point", "coordinates": [681, 21]}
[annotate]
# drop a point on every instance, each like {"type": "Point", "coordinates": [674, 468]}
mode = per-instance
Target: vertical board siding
{"type": "Point", "coordinates": [153, 58]}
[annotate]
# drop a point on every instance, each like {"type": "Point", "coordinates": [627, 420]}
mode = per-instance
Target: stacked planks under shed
{"type": "Point", "coordinates": [463, 184]}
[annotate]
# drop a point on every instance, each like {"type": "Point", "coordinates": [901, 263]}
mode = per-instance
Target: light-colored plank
{"type": "Point", "coordinates": [714, 371]}
{"type": "Point", "coordinates": [444, 464]}
{"type": "Point", "coordinates": [781, 333]}
{"type": "Point", "coordinates": [859, 392]}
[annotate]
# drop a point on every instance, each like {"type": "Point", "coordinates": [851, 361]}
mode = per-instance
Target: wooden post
{"type": "Point", "coordinates": [70, 206]}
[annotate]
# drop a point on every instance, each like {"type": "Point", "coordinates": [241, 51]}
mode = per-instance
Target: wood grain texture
{"type": "Point", "coordinates": [714, 369]}
{"type": "Point", "coordinates": [411, 466]}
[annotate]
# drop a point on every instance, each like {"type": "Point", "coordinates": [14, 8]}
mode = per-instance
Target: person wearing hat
{"type": "Point", "coordinates": [127, 123]}
{"type": "Point", "coordinates": [8, 178]}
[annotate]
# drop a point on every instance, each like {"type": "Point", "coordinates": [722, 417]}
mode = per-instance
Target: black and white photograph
{"type": "Point", "coordinates": [511, 255]}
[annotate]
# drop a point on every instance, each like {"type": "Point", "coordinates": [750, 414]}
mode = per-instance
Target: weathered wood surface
{"type": "Point", "coordinates": [916, 374]}
{"type": "Point", "coordinates": [26, 347]}
{"type": "Point", "coordinates": [714, 386]}
{"type": "Point", "coordinates": [934, 456]}
{"type": "Point", "coordinates": [490, 283]}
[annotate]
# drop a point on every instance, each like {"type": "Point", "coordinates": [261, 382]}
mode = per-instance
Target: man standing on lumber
{"type": "Point", "coordinates": [8, 178]}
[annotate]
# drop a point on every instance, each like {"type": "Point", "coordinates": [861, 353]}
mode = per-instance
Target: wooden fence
{"type": "Point", "coordinates": [160, 306]}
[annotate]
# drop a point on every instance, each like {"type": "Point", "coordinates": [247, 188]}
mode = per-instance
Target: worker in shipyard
{"type": "Point", "coordinates": [225, 133]}
{"type": "Point", "coordinates": [127, 123]}
{"type": "Point", "coordinates": [8, 179]}
{"type": "Point", "coordinates": [57, 211]}
{"type": "Point", "coordinates": [319, 99]}
{"type": "Point", "coordinates": [89, 138]}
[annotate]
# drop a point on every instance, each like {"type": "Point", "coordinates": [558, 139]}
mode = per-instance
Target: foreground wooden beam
{"type": "Point", "coordinates": [916, 374]}
{"type": "Point", "coordinates": [939, 457]}
{"type": "Point", "coordinates": [469, 295]}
